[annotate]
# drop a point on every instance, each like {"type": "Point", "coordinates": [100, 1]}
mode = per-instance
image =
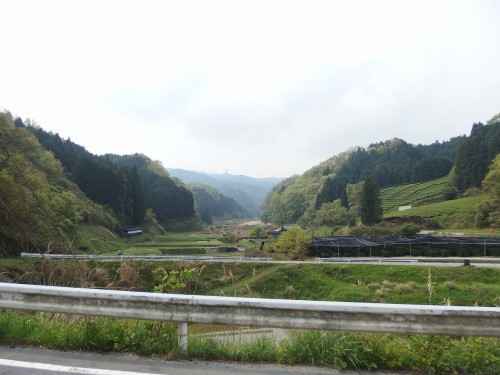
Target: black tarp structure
{"type": "Point", "coordinates": [418, 245]}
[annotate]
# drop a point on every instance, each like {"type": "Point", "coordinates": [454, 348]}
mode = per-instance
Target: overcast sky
{"type": "Point", "coordinates": [261, 88]}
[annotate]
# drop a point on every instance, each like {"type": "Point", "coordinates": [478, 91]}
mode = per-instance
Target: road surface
{"type": "Point", "coordinates": [38, 361]}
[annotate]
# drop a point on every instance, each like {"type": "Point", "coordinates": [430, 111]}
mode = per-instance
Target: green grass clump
{"type": "Point", "coordinates": [425, 354]}
{"type": "Point", "coordinates": [59, 331]}
{"type": "Point", "coordinates": [428, 354]}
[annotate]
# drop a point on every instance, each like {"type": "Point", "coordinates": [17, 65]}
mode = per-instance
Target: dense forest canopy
{"type": "Point", "coordinates": [127, 184]}
{"type": "Point", "coordinates": [171, 201]}
{"type": "Point", "coordinates": [475, 155]}
{"type": "Point", "coordinates": [100, 179]}
{"type": "Point", "coordinates": [212, 204]}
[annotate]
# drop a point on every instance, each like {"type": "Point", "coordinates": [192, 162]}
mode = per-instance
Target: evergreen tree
{"type": "Point", "coordinates": [169, 199]}
{"type": "Point", "coordinates": [488, 211]}
{"type": "Point", "coordinates": [138, 210]}
{"type": "Point", "coordinates": [371, 208]}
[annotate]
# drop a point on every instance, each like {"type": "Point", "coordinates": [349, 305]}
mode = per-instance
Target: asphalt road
{"type": "Point", "coordinates": [38, 361]}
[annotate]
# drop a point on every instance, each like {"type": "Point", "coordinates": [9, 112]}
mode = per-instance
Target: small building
{"type": "Point", "coordinates": [404, 208]}
{"type": "Point", "coordinates": [277, 232]}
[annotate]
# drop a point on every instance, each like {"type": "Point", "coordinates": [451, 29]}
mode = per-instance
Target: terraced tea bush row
{"type": "Point", "coordinates": [410, 194]}
{"type": "Point", "coordinates": [456, 206]}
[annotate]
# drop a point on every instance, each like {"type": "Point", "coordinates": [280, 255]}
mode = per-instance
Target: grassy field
{"type": "Point", "coordinates": [353, 283]}
{"type": "Point", "coordinates": [328, 282]}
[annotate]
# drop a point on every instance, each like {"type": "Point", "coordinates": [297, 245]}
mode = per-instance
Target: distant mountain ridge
{"type": "Point", "coordinates": [249, 192]}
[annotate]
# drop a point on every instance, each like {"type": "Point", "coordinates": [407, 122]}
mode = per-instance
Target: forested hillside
{"type": "Point", "coordinates": [170, 199]}
{"type": "Point", "coordinates": [49, 186]}
{"type": "Point", "coordinates": [39, 206]}
{"type": "Point", "coordinates": [475, 154]}
{"type": "Point", "coordinates": [100, 179]}
{"type": "Point", "coordinates": [128, 185]}
{"type": "Point", "coordinates": [213, 205]}
{"type": "Point", "coordinates": [390, 163]}
{"type": "Point", "coordinates": [300, 198]}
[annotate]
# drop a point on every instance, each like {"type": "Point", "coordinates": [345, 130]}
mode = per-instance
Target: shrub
{"type": "Point", "coordinates": [294, 243]}
{"type": "Point", "coordinates": [450, 193]}
{"type": "Point", "coordinates": [229, 237]}
{"type": "Point", "coordinates": [409, 229]}
{"type": "Point", "coordinates": [258, 231]}
{"type": "Point", "coordinates": [432, 224]}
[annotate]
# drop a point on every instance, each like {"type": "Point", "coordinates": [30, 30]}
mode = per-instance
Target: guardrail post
{"type": "Point", "coordinates": [182, 332]}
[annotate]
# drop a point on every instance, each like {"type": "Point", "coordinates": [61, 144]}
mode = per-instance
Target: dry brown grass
{"type": "Point", "coordinates": [128, 276]}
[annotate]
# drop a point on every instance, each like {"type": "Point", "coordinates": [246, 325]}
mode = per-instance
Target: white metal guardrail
{"type": "Point", "coordinates": [295, 314]}
{"type": "Point", "coordinates": [209, 258]}
{"type": "Point", "coordinates": [144, 257]}
{"type": "Point", "coordinates": [404, 260]}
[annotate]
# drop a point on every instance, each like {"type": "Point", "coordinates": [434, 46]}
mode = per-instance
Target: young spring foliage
{"type": "Point", "coordinates": [294, 243]}
{"type": "Point", "coordinates": [172, 281]}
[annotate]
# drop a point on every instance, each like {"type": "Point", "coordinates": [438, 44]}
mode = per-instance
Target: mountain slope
{"type": "Point", "coordinates": [212, 204]}
{"type": "Point", "coordinates": [249, 192]}
{"type": "Point", "coordinates": [129, 185]}
{"type": "Point", "coordinates": [39, 206]}
{"type": "Point", "coordinates": [170, 199]}
{"type": "Point", "coordinates": [392, 162]}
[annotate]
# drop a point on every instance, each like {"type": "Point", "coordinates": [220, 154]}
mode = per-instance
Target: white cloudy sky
{"type": "Point", "coordinates": [262, 88]}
